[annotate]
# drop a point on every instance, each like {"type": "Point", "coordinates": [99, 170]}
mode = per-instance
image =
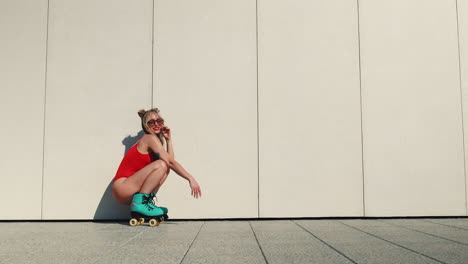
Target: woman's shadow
{"type": "Point", "coordinates": [108, 208]}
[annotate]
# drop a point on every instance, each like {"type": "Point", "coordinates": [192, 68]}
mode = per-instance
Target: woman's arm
{"type": "Point", "coordinates": [155, 145]}
{"type": "Point", "coordinates": [170, 149]}
{"type": "Point", "coordinates": [167, 135]}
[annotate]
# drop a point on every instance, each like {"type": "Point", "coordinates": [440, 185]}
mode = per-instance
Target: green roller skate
{"type": "Point", "coordinates": [143, 208]}
{"type": "Point", "coordinates": [165, 210]}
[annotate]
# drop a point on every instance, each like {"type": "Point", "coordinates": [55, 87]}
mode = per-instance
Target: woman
{"type": "Point", "coordinates": [145, 168]}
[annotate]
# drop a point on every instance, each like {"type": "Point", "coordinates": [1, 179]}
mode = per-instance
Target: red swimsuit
{"type": "Point", "coordinates": [132, 162]}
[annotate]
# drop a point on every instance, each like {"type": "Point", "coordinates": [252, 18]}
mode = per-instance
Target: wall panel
{"type": "Point", "coordinates": [412, 127]}
{"type": "Point", "coordinates": [309, 109]}
{"type": "Point", "coordinates": [463, 41]}
{"type": "Point", "coordinates": [99, 75]}
{"type": "Point", "coordinates": [205, 86]}
{"type": "Point", "coordinates": [23, 27]}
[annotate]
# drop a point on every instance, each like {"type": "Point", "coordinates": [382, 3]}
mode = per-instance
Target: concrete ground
{"type": "Point", "coordinates": [269, 241]}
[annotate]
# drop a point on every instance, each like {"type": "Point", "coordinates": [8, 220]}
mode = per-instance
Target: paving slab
{"type": "Point", "coordinates": [167, 243]}
{"type": "Point", "coordinates": [359, 246]}
{"type": "Point", "coordinates": [225, 242]}
{"type": "Point", "coordinates": [460, 223]}
{"type": "Point", "coordinates": [286, 242]}
{"type": "Point", "coordinates": [440, 231]}
{"type": "Point", "coordinates": [437, 249]}
{"type": "Point", "coordinates": [98, 243]}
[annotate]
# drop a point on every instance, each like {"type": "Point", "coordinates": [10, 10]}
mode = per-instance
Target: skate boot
{"type": "Point", "coordinates": [143, 208]}
{"type": "Point", "coordinates": [165, 210]}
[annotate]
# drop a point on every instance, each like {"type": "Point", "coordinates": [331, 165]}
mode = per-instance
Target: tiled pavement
{"type": "Point", "coordinates": [422, 240]}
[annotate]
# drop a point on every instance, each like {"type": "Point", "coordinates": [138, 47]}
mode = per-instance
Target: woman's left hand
{"type": "Point", "coordinates": [196, 190]}
{"type": "Point", "coordinates": [166, 131]}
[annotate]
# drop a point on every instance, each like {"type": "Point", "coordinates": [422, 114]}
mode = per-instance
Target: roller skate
{"type": "Point", "coordinates": [143, 208]}
{"type": "Point", "coordinates": [165, 210]}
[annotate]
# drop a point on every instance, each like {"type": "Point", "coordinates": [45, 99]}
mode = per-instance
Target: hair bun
{"type": "Point", "coordinates": [141, 113]}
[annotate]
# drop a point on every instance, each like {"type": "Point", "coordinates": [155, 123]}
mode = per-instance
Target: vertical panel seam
{"type": "Point", "coordinates": [45, 105]}
{"type": "Point", "coordinates": [152, 56]}
{"type": "Point", "coordinates": [258, 111]}
{"type": "Point", "coordinates": [461, 105]}
{"type": "Point", "coordinates": [360, 103]}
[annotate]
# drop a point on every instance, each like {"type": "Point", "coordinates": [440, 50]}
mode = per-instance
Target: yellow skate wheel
{"type": "Point", "coordinates": [133, 222]}
{"type": "Point", "coordinates": [153, 222]}
{"type": "Point", "coordinates": [142, 221]}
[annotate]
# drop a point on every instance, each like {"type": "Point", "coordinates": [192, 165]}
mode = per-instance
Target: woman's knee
{"type": "Point", "coordinates": [160, 165]}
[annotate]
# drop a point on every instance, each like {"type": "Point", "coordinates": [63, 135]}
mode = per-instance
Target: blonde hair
{"type": "Point", "coordinates": [144, 115]}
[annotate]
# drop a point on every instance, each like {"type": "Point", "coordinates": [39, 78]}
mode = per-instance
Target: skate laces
{"type": "Point", "coordinates": [147, 201]}
{"type": "Point", "coordinates": [152, 196]}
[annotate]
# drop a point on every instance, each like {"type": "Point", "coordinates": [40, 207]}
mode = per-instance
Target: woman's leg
{"type": "Point", "coordinates": [155, 178]}
{"type": "Point", "coordinates": [156, 189]}
{"type": "Point", "coordinates": [144, 181]}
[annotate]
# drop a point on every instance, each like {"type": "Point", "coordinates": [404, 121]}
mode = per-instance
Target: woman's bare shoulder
{"type": "Point", "coordinates": [144, 142]}
{"type": "Point", "coordinates": [148, 139]}
{"type": "Point", "coordinates": [149, 143]}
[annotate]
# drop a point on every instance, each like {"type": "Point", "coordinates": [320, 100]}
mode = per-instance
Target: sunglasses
{"type": "Point", "coordinates": [153, 122]}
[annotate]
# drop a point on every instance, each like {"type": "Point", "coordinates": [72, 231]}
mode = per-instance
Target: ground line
{"type": "Point", "coordinates": [258, 243]}
{"type": "Point", "coordinates": [448, 239]}
{"type": "Point", "coordinates": [190, 246]}
{"type": "Point", "coordinates": [339, 252]}
{"type": "Point", "coordinates": [444, 225]}
{"type": "Point", "coordinates": [392, 243]}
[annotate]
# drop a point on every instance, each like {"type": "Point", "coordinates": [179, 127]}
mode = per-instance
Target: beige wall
{"type": "Point", "coordinates": [309, 109]}
{"type": "Point", "coordinates": [304, 109]}
{"type": "Point", "coordinates": [99, 75]}
{"type": "Point", "coordinates": [23, 31]}
{"type": "Point", "coordinates": [205, 80]}
{"type": "Point", "coordinates": [412, 122]}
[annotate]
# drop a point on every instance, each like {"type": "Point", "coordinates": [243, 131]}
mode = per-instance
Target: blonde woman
{"type": "Point", "coordinates": [145, 167]}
